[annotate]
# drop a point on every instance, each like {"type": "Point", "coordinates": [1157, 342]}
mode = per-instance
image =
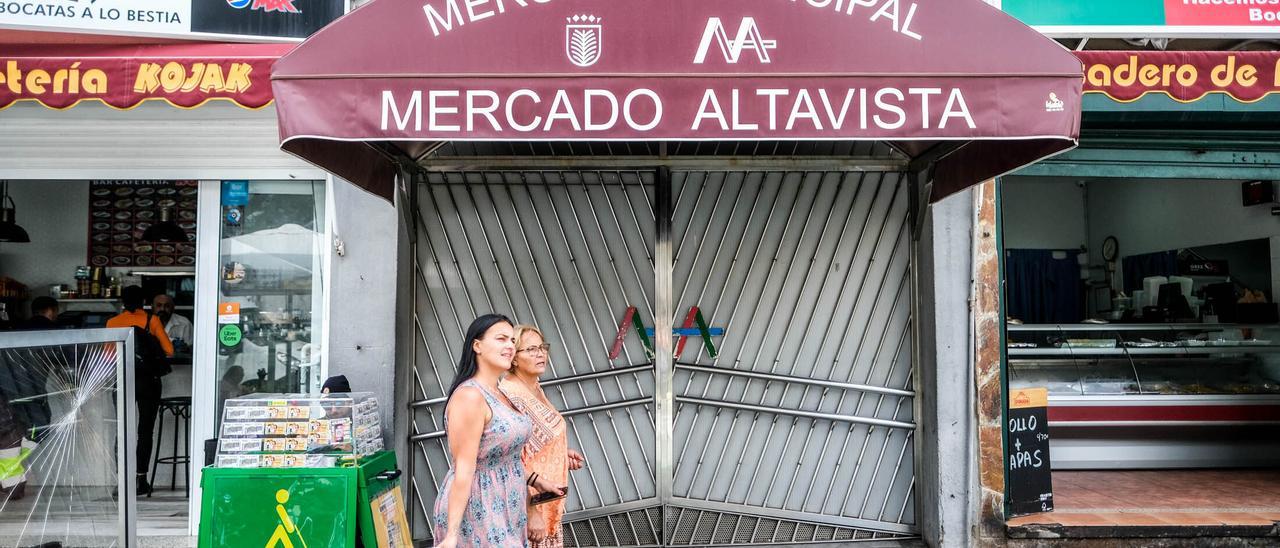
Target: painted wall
{"type": "Point", "coordinates": [362, 296]}
{"type": "Point", "coordinates": [56, 216]}
{"type": "Point", "coordinates": [1144, 215]}
{"type": "Point", "coordinates": [1158, 215]}
{"type": "Point", "coordinates": [1042, 213]}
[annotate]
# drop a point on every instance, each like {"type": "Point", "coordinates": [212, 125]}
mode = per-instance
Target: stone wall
{"type": "Point", "coordinates": [987, 331]}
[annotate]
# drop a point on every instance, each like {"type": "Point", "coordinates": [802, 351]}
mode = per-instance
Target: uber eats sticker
{"type": "Point", "coordinates": [230, 335]}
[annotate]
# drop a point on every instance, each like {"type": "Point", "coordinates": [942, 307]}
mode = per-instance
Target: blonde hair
{"type": "Point", "coordinates": [520, 331]}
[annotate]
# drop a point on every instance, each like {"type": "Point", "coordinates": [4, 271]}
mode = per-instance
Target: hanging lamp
{"type": "Point", "coordinates": [164, 231]}
{"type": "Point", "coordinates": [9, 229]}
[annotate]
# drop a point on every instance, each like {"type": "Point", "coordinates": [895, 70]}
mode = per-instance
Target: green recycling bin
{"type": "Point", "coordinates": [293, 507]}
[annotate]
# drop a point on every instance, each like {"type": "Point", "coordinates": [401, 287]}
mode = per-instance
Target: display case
{"type": "Point", "coordinates": [1154, 395]}
{"type": "Point", "coordinates": [298, 430]}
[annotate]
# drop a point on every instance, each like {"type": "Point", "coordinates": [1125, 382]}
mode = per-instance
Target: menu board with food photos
{"type": "Point", "coordinates": [119, 213]}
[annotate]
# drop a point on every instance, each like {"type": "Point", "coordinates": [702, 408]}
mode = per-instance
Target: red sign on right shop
{"type": "Point", "coordinates": [1184, 76]}
{"type": "Point", "coordinates": [1221, 13]}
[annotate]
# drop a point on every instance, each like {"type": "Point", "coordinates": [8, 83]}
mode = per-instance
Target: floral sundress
{"type": "Point", "coordinates": [496, 510]}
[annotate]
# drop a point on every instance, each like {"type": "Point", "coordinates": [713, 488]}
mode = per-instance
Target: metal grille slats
{"type": "Point", "coordinates": [807, 273]}
{"type": "Point", "coordinates": [565, 251]}
{"type": "Point", "coordinates": [799, 430]}
{"type": "Point", "coordinates": [704, 528]}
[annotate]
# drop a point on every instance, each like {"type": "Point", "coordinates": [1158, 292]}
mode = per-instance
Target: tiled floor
{"type": "Point", "coordinates": [88, 517]}
{"type": "Point", "coordinates": [1162, 498]}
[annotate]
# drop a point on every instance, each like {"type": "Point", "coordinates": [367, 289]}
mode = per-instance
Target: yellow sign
{"type": "Point", "coordinates": [280, 538]}
{"type": "Point", "coordinates": [176, 77]}
{"type": "Point", "coordinates": [1029, 397]}
{"type": "Point", "coordinates": [389, 523]}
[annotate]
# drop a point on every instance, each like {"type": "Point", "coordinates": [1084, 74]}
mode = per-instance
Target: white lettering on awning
{"type": "Point", "coordinates": [593, 110]}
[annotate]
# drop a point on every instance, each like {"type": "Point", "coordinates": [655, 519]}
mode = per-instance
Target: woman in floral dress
{"type": "Point", "coordinates": [547, 452]}
{"type": "Point", "coordinates": [484, 497]}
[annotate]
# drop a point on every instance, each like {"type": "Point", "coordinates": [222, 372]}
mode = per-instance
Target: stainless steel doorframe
{"type": "Point", "coordinates": [871, 206]}
{"type": "Point", "coordinates": [664, 364]}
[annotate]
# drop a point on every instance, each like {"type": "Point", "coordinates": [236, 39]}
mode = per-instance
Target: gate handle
{"type": "Point", "coordinates": [388, 475]}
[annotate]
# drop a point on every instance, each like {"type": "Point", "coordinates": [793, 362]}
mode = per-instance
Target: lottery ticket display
{"type": "Point", "coordinates": [298, 430]}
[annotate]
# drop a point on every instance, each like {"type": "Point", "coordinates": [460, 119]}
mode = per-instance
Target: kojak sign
{"type": "Point", "coordinates": [122, 77]}
{"type": "Point", "coordinates": [436, 70]}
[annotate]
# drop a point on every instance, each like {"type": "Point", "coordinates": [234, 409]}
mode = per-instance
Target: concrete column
{"type": "Point", "coordinates": [948, 436]}
{"type": "Point", "coordinates": [362, 296]}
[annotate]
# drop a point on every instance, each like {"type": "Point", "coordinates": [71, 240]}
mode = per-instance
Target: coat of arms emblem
{"type": "Point", "coordinates": [583, 39]}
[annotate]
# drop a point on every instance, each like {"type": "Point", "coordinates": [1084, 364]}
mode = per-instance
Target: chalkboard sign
{"type": "Point", "coordinates": [1027, 471]}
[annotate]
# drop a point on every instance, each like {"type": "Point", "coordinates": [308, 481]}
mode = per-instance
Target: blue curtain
{"type": "Point", "coordinates": [1137, 267]}
{"type": "Point", "coordinates": [1042, 289]}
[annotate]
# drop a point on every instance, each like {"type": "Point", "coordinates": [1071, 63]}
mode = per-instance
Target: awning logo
{"type": "Point", "coordinates": [694, 326]}
{"type": "Point", "coordinates": [1054, 104]}
{"type": "Point", "coordinates": [1021, 398]}
{"type": "Point", "coordinates": [748, 37]}
{"type": "Point", "coordinates": [583, 39]}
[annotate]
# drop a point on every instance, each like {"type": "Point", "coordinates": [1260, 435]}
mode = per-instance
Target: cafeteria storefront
{"type": "Point", "coordinates": [100, 145]}
{"type": "Point", "coordinates": [726, 216]}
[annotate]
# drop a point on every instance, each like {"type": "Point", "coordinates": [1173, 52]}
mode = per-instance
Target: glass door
{"type": "Point", "coordinates": [270, 286]}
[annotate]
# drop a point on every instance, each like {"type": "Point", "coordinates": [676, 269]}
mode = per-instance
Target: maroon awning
{"type": "Point", "coordinates": [954, 83]}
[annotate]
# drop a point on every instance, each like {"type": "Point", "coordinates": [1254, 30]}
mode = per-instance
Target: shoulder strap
{"type": "Point", "coordinates": [487, 396]}
{"type": "Point", "coordinates": [488, 399]}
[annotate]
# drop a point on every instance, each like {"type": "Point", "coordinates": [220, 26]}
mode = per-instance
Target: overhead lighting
{"type": "Point", "coordinates": [164, 231]}
{"type": "Point", "coordinates": [9, 229]}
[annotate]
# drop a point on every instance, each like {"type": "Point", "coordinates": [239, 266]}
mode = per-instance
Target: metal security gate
{"type": "Point", "coordinates": [780, 411]}
{"type": "Point", "coordinates": [568, 252]}
{"type": "Point", "coordinates": [800, 427]}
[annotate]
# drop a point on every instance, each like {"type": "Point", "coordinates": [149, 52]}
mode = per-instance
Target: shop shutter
{"type": "Point", "coordinates": [153, 141]}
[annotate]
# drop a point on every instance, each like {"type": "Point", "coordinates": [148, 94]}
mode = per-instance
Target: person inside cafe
{"type": "Point", "coordinates": [44, 315]}
{"type": "Point", "coordinates": [177, 326]}
{"type": "Point", "coordinates": [149, 367]}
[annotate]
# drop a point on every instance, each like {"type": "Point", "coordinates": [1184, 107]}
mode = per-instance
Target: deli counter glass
{"type": "Point", "coordinates": [1154, 395]}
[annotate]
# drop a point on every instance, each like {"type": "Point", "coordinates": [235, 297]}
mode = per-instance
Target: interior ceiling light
{"type": "Point", "coordinates": [165, 231]}
{"type": "Point", "coordinates": [9, 229]}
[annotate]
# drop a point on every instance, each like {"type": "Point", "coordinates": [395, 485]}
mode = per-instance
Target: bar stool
{"type": "Point", "coordinates": [180, 409]}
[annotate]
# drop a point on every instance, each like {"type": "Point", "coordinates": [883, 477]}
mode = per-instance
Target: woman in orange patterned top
{"type": "Point", "coordinates": [547, 452]}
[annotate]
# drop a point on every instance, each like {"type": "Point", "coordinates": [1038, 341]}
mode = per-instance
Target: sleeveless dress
{"type": "Point", "coordinates": [547, 453]}
{"type": "Point", "coordinates": [496, 509]}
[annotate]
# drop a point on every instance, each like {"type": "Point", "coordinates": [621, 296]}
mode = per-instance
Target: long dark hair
{"type": "Point", "coordinates": [467, 366]}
